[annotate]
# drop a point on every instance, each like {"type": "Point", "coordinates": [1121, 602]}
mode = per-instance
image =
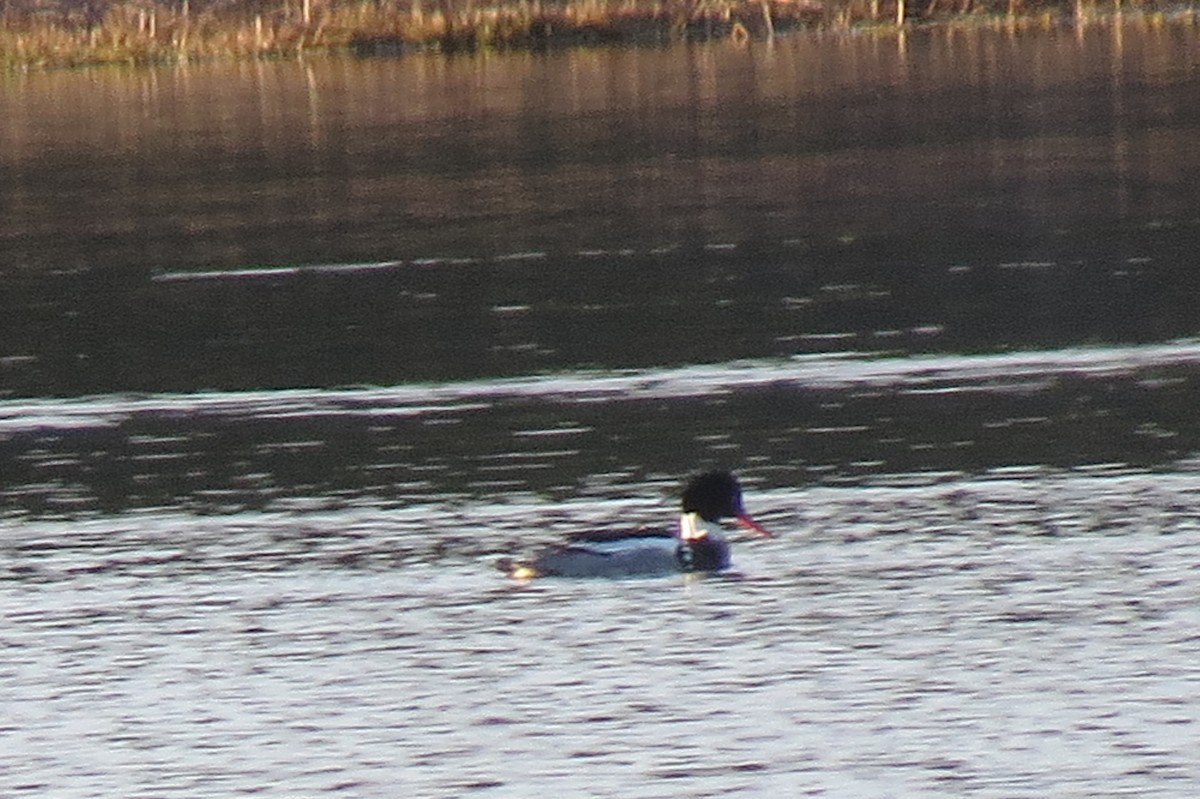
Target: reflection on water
{"type": "Point", "coordinates": [830, 420]}
{"type": "Point", "coordinates": [291, 353]}
{"type": "Point", "coordinates": [944, 191]}
{"type": "Point", "coordinates": [434, 319]}
{"type": "Point", "coordinates": [984, 638]}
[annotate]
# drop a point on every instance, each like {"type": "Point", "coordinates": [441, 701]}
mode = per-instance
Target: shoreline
{"type": "Point", "coordinates": [137, 32]}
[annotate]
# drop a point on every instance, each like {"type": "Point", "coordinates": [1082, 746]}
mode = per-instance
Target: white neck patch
{"type": "Point", "coordinates": [693, 528]}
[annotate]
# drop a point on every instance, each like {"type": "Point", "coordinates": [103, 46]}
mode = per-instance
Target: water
{"type": "Point", "coordinates": [292, 354]}
{"type": "Point", "coordinates": [1012, 637]}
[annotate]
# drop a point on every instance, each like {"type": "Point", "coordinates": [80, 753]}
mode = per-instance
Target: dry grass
{"type": "Point", "coordinates": [33, 33]}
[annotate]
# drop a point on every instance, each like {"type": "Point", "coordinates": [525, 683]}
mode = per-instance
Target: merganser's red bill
{"type": "Point", "coordinates": [745, 521]}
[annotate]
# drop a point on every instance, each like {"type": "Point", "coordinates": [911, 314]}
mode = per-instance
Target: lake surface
{"type": "Point", "coordinates": [292, 354]}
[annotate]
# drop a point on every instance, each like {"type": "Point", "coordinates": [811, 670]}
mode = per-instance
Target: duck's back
{"type": "Point", "coordinates": [614, 557]}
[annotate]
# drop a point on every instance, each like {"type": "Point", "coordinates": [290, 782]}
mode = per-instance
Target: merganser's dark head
{"type": "Point", "coordinates": [717, 495]}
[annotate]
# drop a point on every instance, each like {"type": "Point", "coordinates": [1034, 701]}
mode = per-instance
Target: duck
{"type": "Point", "coordinates": [697, 544]}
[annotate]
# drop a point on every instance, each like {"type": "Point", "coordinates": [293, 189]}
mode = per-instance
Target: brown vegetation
{"type": "Point", "coordinates": [71, 32]}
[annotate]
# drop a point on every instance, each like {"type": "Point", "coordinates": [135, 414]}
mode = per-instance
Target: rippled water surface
{"type": "Point", "coordinates": [292, 354]}
{"type": "Point", "coordinates": [1019, 636]}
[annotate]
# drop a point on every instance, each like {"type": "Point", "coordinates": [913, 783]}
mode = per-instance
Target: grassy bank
{"type": "Point", "coordinates": [76, 32]}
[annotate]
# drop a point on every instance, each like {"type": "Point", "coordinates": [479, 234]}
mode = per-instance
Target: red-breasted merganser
{"type": "Point", "coordinates": [698, 545]}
